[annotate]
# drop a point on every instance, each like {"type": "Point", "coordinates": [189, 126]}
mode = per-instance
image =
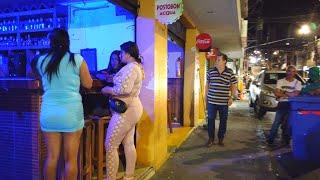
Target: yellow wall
{"type": "Point", "coordinates": [161, 85]}
{"type": "Point", "coordinates": [152, 128]}
{"type": "Point", "coordinates": [202, 59]}
{"type": "Point", "coordinates": [190, 95]}
{"type": "Point", "coordinates": [194, 81]}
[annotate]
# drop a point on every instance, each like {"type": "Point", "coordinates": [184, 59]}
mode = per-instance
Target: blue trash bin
{"type": "Point", "coordinates": [305, 121]}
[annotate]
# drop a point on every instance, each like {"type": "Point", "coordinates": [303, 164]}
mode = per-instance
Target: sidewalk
{"type": "Point", "coordinates": [244, 156]}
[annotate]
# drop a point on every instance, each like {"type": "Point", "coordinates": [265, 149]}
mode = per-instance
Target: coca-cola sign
{"type": "Point", "coordinates": [168, 11]}
{"type": "Point", "coordinates": [203, 41]}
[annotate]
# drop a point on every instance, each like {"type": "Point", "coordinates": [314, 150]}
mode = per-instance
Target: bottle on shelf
{"type": "Point", "coordinates": [50, 23]}
{"type": "Point", "coordinates": [59, 22]}
{"type": "Point", "coordinates": [4, 27]}
{"type": "Point", "coordinates": [14, 26]}
{"type": "Point", "coordinates": [1, 41]}
{"type": "Point", "coordinates": [41, 23]}
{"type": "Point", "coordinates": [9, 25]}
{"type": "Point", "coordinates": [32, 24]}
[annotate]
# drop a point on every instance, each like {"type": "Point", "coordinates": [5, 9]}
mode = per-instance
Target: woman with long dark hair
{"type": "Point", "coordinates": [127, 85]}
{"type": "Point", "coordinates": [114, 66]}
{"type": "Point", "coordinates": [61, 116]}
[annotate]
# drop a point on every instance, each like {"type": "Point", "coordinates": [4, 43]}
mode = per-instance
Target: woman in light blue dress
{"type": "Point", "coordinates": [61, 116]}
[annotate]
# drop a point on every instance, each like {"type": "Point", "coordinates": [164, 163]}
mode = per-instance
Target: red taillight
{"type": "Point", "coordinates": [309, 113]}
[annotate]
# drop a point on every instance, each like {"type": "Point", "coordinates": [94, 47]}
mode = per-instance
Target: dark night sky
{"type": "Point", "coordinates": [277, 8]}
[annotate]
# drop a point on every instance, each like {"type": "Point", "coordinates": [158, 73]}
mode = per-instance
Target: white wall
{"type": "Point", "coordinates": [98, 26]}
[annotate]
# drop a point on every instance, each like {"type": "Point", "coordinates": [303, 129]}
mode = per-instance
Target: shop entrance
{"type": "Point", "coordinates": [176, 40]}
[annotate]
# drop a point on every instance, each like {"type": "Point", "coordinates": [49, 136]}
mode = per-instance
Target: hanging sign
{"type": "Point", "coordinates": [203, 42]}
{"type": "Point", "coordinates": [168, 11]}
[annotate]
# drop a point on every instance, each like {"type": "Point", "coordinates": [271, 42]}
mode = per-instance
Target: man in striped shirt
{"type": "Point", "coordinates": [221, 83]}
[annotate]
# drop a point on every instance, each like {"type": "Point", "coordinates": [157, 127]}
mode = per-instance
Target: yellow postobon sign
{"type": "Point", "coordinates": [168, 11]}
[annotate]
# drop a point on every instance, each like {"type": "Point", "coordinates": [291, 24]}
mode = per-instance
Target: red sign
{"type": "Point", "coordinates": [204, 41]}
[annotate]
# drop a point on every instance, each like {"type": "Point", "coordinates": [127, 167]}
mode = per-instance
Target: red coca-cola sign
{"type": "Point", "coordinates": [204, 41]}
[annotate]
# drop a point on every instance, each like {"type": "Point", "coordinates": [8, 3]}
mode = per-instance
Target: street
{"type": "Point", "coordinates": [245, 154]}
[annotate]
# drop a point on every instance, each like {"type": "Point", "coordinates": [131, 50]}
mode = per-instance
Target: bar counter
{"type": "Point", "coordinates": [22, 151]}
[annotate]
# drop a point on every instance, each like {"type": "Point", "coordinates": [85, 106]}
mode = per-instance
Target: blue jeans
{"type": "Point", "coordinates": [212, 113]}
{"type": "Point", "coordinates": [282, 115]}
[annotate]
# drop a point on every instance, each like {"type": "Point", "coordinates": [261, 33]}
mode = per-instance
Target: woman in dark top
{"type": "Point", "coordinates": [114, 66]}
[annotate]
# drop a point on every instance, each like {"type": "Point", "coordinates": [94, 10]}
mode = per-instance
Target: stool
{"type": "Point", "coordinates": [99, 152]}
{"type": "Point", "coordinates": [86, 150]}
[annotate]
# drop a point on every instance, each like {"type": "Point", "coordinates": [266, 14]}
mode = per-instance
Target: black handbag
{"type": "Point", "coordinates": [117, 105]}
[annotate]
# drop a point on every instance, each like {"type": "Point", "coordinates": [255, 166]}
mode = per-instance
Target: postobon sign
{"type": "Point", "coordinates": [168, 11]}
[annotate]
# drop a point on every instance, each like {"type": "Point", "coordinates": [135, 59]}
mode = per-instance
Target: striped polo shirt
{"type": "Point", "coordinates": [219, 85]}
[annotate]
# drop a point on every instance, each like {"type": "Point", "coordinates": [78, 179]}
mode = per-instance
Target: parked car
{"type": "Point", "coordinates": [261, 91]}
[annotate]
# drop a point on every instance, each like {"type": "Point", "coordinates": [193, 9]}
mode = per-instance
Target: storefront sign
{"type": "Point", "coordinates": [169, 11]}
{"type": "Point", "coordinates": [204, 41]}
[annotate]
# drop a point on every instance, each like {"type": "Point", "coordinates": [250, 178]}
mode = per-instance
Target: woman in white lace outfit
{"type": "Point", "coordinates": [127, 85]}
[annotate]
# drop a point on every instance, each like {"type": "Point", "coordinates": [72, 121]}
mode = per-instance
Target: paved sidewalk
{"type": "Point", "coordinates": [244, 156]}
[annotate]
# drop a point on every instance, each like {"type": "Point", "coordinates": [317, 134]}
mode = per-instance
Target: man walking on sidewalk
{"type": "Point", "coordinates": [220, 81]}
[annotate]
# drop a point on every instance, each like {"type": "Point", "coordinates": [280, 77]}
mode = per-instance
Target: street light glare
{"type": "Point", "coordinates": [257, 52]}
{"type": "Point", "coordinates": [304, 29]}
{"type": "Point", "coordinates": [253, 59]}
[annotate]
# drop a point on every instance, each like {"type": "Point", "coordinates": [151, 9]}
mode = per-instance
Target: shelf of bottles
{"type": "Point", "coordinates": [28, 30]}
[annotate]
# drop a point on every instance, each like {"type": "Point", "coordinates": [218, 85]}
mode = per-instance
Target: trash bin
{"type": "Point", "coordinates": [305, 122]}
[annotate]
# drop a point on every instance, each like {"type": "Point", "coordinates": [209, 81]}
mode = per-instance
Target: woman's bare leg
{"type": "Point", "coordinates": [71, 143]}
{"type": "Point", "coordinates": [53, 143]}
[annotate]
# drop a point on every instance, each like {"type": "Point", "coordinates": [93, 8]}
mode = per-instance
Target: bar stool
{"type": "Point", "coordinates": [86, 150]}
{"type": "Point", "coordinates": [99, 152]}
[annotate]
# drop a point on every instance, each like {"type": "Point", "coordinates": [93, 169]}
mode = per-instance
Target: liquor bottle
{"type": "Point", "coordinates": [50, 23]}
{"type": "Point", "coordinates": [4, 27]}
{"type": "Point", "coordinates": [58, 22]}
{"type": "Point", "coordinates": [41, 23]}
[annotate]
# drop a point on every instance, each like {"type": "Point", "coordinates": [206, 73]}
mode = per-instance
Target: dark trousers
{"type": "Point", "coordinates": [223, 115]}
{"type": "Point", "coordinates": [281, 118]}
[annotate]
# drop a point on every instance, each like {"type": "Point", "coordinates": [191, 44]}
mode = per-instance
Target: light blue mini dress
{"type": "Point", "coordinates": [61, 108]}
